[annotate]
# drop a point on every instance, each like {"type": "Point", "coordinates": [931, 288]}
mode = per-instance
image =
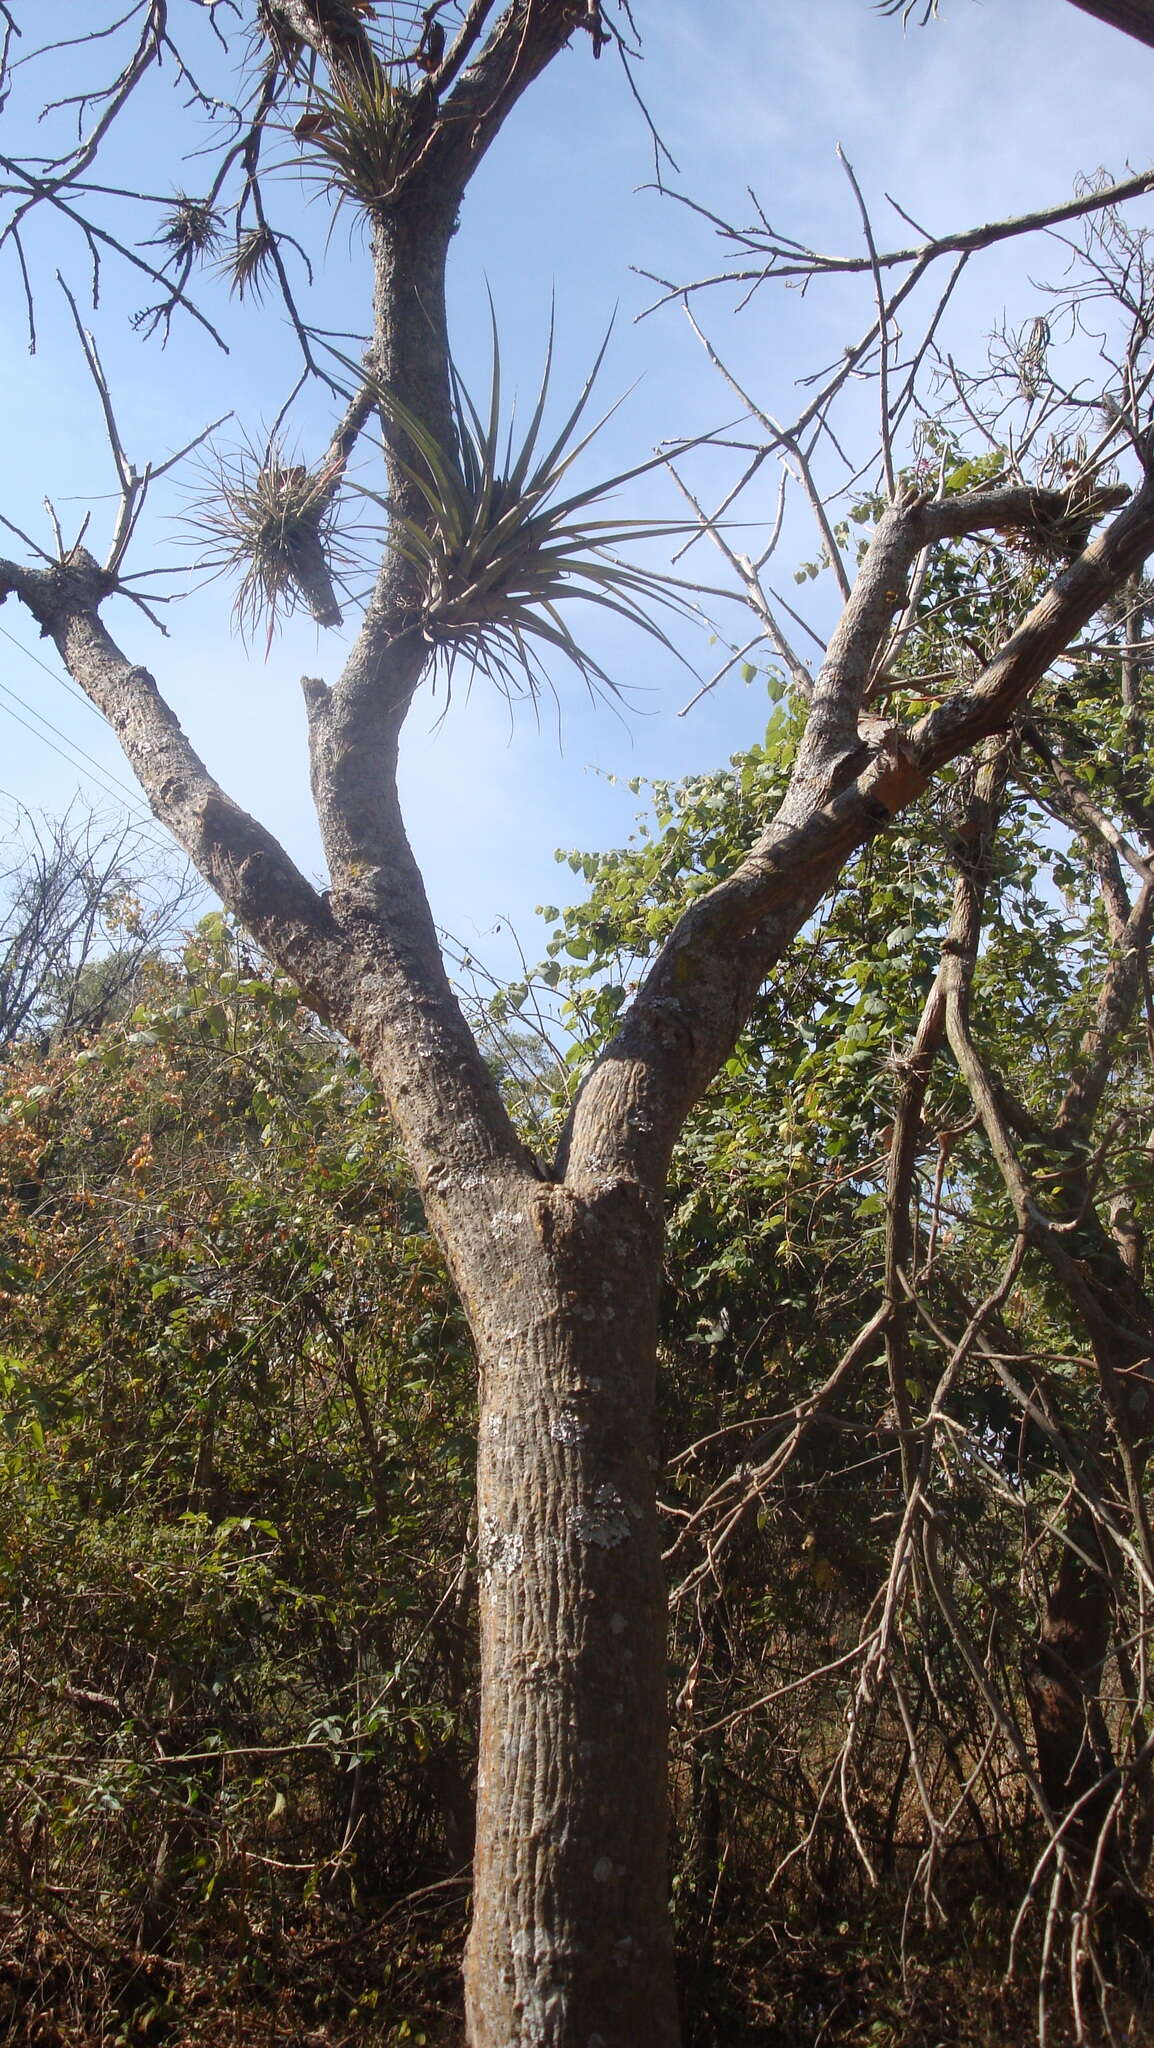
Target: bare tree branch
{"type": "Point", "coordinates": [1134, 17]}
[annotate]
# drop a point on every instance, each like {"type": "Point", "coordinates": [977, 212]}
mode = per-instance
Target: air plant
{"type": "Point", "coordinates": [907, 9]}
{"type": "Point", "coordinates": [249, 261]}
{"type": "Point", "coordinates": [498, 552]}
{"type": "Point", "coordinates": [360, 132]}
{"type": "Point", "coordinates": [274, 520]}
{"type": "Point", "coordinates": [192, 228]}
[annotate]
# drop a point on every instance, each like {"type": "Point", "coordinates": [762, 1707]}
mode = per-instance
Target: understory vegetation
{"type": "Point", "coordinates": [236, 1537]}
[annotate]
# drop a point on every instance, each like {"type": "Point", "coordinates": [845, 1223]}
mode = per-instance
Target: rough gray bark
{"type": "Point", "coordinates": [571, 1938]}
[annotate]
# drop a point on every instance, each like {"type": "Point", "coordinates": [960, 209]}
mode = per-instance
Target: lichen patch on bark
{"type": "Point", "coordinates": [605, 1519]}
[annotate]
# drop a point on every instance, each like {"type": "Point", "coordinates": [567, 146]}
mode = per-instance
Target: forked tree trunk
{"type": "Point", "coordinates": [570, 1944]}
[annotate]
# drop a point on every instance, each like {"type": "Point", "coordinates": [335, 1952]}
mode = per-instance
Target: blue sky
{"type": "Point", "coordinates": [993, 110]}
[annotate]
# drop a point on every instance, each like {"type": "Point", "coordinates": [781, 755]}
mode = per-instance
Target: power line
{"type": "Point", "coordinates": [105, 774]}
{"type": "Point", "coordinates": [85, 774]}
{"type": "Point", "coordinates": [102, 778]}
{"type": "Point", "coordinates": [68, 687]}
{"type": "Point", "coordinates": [143, 820]}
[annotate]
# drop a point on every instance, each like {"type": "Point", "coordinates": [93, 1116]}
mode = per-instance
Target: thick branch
{"type": "Point", "coordinates": [978, 830]}
{"type": "Point", "coordinates": [1081, 812]}
{"type": "Point", "coordinates": [331, 28]}
{"type": "Point", "coordinates": [370, 965]}
{"type": "Point", "coordinates": [1113, 1309]}
{"type": "Point", "coordinates": [901, 1165]}
{"type": "Point", "coordinates": [1071, 601]}
{"type": "Point", "coordinates": [903, 533]}
{"type": "Point", "coordinates": [1118, 999]}
{"type": "Point", "coordinates": [698, 993]}
{"type": "Point", "coordinates": [1134, 17]}
{"type": "Point", "coordinates": [250, 872]}
{"type": "Point", "coordinates": [528, 36]}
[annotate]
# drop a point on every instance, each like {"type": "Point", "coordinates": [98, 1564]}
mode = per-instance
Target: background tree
{"type": "Point", "coordinates": [1045, 1014]}
{"type": "Point", "coordinates": [78, 923]}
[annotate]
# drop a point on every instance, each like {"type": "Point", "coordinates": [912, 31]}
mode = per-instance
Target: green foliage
{"type": "Point", "coordinates": [235, 1481]}
{"type": "Point", "coordinates": [783, 1502]}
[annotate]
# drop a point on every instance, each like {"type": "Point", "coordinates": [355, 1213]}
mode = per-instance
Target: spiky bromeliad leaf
{"type": "Point", "coordinates": [908, 8]}
{"type": "Point", "coordinates": [191, 228]}
{"type": "Point", "coordinates": [498, 552]}
{"type": "Point", "coordinates": [273, 520]}
{"type": "Point", "coordinates": [360, 134]}
{"type": "Point", "coordinates": [249, 262]}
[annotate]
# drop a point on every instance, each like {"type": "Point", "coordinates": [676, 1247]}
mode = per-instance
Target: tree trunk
{"type": "Point", "coordinates": [1076, 1763]}
{"type": "Point", "coordinates": [1063, 1683]}
{"type": "Point", "coordinates": [571, 1945]}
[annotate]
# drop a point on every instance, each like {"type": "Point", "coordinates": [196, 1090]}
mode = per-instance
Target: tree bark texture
{"type": "Point", "coordinates": [558, 1268]}
{"type": "Point", "coordinates": [1063, 1684]}
{"type": "Point", "coordinates": [571, 1939]}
